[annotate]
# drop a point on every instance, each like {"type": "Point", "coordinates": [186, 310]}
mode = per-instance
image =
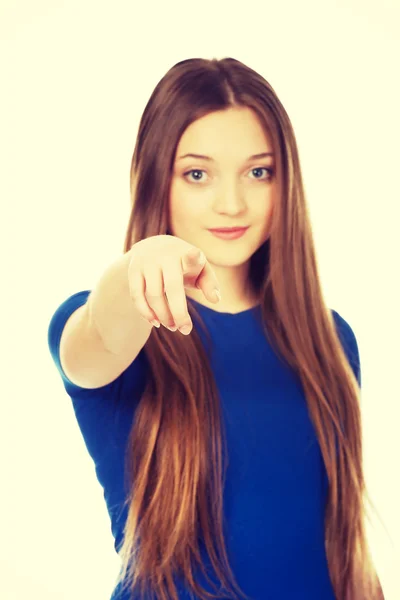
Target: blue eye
{"type": "Point", "coordinates": [193, 171]}
{"type": "Point", "coordinates": [270, 171]}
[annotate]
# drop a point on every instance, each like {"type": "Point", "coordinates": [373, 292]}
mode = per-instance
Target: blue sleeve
{"type": "Point", "coordinates": [349, 343]}
{"type": "Point", "coordinates": [57, 324]}
{"type": "Point", "coordinates": [101, 412]}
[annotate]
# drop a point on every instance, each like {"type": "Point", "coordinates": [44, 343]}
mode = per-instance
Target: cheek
{"type": "Point", "coordinates": [264, 218]}
{"type": "Point", "coordinates": [186, 213]}
{"type": "Point", "coordinates": [264, 211]}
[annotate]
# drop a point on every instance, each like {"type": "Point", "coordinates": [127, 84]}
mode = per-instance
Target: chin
{"type": "Point", "coordinates": [220, 259]}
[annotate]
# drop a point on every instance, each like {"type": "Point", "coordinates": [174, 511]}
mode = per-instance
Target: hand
{"type": "Point", "coordinates": [160, 269]}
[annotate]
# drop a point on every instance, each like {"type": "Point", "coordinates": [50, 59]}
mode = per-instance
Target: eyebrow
{"type": "Point", "coordinates": [203, 157]}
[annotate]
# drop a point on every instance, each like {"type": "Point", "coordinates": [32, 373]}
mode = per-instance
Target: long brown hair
{"type": "Point", "coordinates": [174, 464]}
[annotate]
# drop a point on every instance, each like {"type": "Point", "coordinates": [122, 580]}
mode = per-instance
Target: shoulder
{"type": "Point", "coordinates": [344, 329]}
{"type": "Point", "coordinates": [349, 342]}
{"type": "Point", "coordinates": [132, 378]}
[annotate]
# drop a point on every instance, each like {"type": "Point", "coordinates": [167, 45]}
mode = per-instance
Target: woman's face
{"type": "Point", "coordinates": [229, 189]}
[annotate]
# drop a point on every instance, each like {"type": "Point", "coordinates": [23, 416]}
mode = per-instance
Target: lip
{"type": "Point", "coordinates": [231, 233]}
{"type": "Point", "coordinates": [229, 229]}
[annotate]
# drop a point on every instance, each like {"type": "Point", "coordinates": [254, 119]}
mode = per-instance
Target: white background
{"type": "Point", "coordinates": [75, 77]}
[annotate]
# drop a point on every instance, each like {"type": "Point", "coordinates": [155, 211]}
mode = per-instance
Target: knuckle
{"type": "Point", "coordinates": [135, 294]}
{"type": "Point", "coordinates": [174, 288]}
{"type": "Point", "coordinates": [156, 295]}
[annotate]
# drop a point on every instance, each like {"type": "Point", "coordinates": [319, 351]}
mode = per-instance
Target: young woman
{"type": "Point", "coordinates": [230, 452]}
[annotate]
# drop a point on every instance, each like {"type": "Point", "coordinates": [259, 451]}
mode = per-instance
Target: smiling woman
{"type": "Point", "coordinates": [231, 458]}
{"type": "Point", "coordinates": [232, 189]}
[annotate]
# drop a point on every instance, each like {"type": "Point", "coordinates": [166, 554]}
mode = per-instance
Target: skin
{"type": "Point", "coordinates": [229, 191]}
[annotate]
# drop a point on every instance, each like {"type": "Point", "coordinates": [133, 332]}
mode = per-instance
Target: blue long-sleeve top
{"type": "Point", "coordinates": [276, 482]}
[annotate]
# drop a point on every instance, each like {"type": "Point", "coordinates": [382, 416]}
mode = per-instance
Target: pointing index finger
{"type": "Point", "coordinates": [207, 282]}
{"type": "Point", "coordinates": [193, 258]}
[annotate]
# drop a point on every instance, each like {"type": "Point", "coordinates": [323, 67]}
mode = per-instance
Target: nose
{"type": "Point", "coordinates": [229, 200]}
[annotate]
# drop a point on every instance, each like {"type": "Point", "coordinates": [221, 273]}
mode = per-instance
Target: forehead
{"type": "Point", "coordinates": [235, 131]}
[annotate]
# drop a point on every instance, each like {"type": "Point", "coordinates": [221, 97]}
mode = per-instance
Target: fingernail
{"type": "Point", "coordinates": [185, 329]}
{"type": "Point", "coordinates": [155, 323]}
{"type": "Point", "coordinates": [201, 259]}
{"type": "Point", "coordinates": [174, 328]}
{"type": "Point", "coordinates": [217, 294]}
